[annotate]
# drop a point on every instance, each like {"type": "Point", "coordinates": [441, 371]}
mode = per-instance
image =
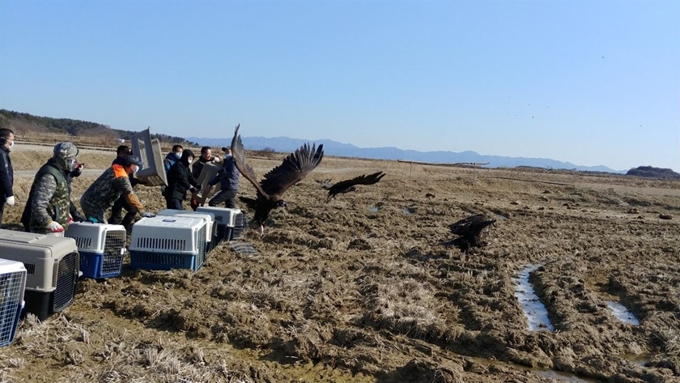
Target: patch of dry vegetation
{"type": "Point", "coordinates": [339, 292]}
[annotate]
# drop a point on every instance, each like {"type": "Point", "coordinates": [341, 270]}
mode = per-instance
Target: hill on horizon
{"type": "Point", "coordinates": [334, 148]}
{"type": "Point", "coordinates": [24, 123]}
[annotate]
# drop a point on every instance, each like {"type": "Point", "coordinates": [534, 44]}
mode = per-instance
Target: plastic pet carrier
{"type": "Point", "coordinates": [101, 247]}
{"type": "Point", "coordinates": [229, 221]}
{"type": "Point", "coordinates": [168, 242]}
{"type": "Point", "coordinates": [52, 269]}
{"type": "Point", "coordinates": [209, 218]}
{"type": "Point", "coordinates": [12, 286]}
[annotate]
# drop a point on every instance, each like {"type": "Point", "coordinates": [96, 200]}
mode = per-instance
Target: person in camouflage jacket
{"type": "Point", "coordinates": [47, 210]}
{"type": "Point", "coordinates": [113, 184]}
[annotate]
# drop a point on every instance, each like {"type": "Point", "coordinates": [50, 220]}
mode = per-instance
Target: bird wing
{"type": "Point", "coordinates": [360, 180]}
{"type": "Point", "coordinates": [294, 168]}
{"type": "Point", "coordinates": [470, 224]}
{"type": "Point", "coordinates": [239, 155]}
{"type": "Point", "coordinates": [326, 184]}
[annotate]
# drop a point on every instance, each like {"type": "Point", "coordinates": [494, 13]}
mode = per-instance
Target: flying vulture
{"type": "Point", "coordinates": [270, 189]}
{"type": "Point", "coordinates": [469, 229]}
{"type": "Point", "coordinates": [348, 185]}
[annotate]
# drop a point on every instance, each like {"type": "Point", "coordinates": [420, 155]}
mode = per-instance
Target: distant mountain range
{"type": "Point", "coordinates": [333, 148]}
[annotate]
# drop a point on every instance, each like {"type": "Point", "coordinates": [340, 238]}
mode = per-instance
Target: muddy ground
{"type": "Point", "coordinates": [361, 290]}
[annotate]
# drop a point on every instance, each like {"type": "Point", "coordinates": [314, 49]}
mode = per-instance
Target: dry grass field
{"type": "Point", "coordinates": [361, 290]}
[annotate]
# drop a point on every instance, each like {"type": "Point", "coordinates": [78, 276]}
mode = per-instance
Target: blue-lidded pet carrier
{"type": "Point", "coordinates": [101, 247]}
{"type": "Point", "coordinates": [209, 218]}
{"type": "Point", "coordinates": [230, 222]}
{"type": "Point", "coordinates": [167, 242]}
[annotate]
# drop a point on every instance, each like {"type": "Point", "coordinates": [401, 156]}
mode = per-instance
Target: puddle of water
{"type": "Point", "coordinates": [563, 377]}
{"type": "Point", "coordinates": [407, 210]}
{"type": "Point", "coordinates": [534, 310]}
{"type": "Point", "coordinates": [373, 209]}
{"type": "Point", "coordinates": [549, 374]}
{"type": "Point", "coordinates": [621, 312]}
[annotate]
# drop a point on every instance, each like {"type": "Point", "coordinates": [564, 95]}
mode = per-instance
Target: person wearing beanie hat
{"type": "Point", "coordinates": [48, 207]}
{"type": "Point", "coordinates": [113, 184]}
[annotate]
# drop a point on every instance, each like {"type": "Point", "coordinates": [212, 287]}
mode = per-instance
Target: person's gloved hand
{"type": "Point", "coordinates": [10, 201]}
{"type": "Point", "coordinates": [78, 218]}
{"type": "Point", "coordinates": [193, 189]}
{"type": "Point", "coordinates": [146, 214]}
{"type": "Point", "coordinates": [55, 227]}
{"type": "Point", "coordinates": [77, 171]}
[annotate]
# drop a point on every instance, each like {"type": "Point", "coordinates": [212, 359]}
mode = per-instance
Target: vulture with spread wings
{"type": "Point", "coordinates": [347, 186]}
{"type": "Point", "coordinates": [469, 229]}
{"type": "Point", "coordinates": [270, 189]}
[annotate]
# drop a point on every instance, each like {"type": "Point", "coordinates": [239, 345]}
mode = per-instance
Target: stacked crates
{"type": "Point", "coordinates": [209, 218]}
{"type": "Point", "coordinates": [168, 242]}
{"type": "Point", "coordinates": [12, 286]}
{"type": "Point", "coordinates": [227, 220]}
{"type": "Point", "coordinates": [101, 247]}
{"type": "Point", "coordinates": [52, 268]}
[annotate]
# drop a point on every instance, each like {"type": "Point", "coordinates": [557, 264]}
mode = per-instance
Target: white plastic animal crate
{"type": "Point", "coordinates": [52, 269]}
{"type": "Point", "coordinates": [12, 286]}
{"type": "Point", "coordinates": [101, 247]}
{"type": "Point", "coordinates": [167, 242]}
{"type": "Point", "coordinates": [209, 219]}
{"type": "Point", "coordinates": [229, 221]}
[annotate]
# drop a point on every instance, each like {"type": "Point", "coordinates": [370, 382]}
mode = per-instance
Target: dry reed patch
{"type": "Point", "coordinates": [403, 306]}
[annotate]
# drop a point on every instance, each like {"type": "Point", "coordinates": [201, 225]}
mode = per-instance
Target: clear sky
{"type": "Point", "coordinates": [585, 81]}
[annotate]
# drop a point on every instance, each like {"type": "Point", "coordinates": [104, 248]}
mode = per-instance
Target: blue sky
{"type": "Point", "coordinates": [585, 81]}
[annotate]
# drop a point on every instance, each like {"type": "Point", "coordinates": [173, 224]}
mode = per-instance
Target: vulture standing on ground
{"type": "Point", "coordinates": [270, 190]}
{"type": "Point", "coordinates": [469, 229]}
{"type": "Point", "coordinates": [348, 185]}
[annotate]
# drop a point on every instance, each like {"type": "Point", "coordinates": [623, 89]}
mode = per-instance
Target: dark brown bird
{"type": "Point", "coordinates": [270, 189]}
{"type": "Point", "coordinates": [348, 185]}
{"type": "Point", "coordinates": [469, 229]}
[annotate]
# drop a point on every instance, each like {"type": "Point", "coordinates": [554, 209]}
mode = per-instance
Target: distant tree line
{"type": "Point", "coordinates": [24, 121]}
{"type": "Point", "coordinates": [650, 171]}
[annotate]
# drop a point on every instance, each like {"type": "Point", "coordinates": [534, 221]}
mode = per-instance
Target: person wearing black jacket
{"type": "Point", "coordinates": [180, 180]}
{"type": "Point", "coordinates": [6, 171]}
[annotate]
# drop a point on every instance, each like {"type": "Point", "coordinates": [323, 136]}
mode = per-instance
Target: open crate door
{"type": "Point", "coordinates": [149, 151]}
{"type": "Point", "coordinates": [207, 173]}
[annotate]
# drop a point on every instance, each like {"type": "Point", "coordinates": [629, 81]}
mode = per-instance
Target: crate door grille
{"type": "Point", "coordinates": [161, 243]}
{"type": "Point", "coordinates": [83, 242]}
{"type": "Point", "coordinates": [200, 258]}
{"type": "Point", "coordinates": [10, 297]}
{"type": "Point", "coordinates": [241, 222]}
{"type": "Point", "coordinates": [113, 256]}
{"type": "Point", "coordinates": [66, 282]}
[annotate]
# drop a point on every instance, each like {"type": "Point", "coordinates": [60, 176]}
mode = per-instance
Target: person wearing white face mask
{"type": "Point", "coordinates": [180, 180]}
{"type": "Point", "coordinates": [113, 184]}
{"type": "Point", "coordinates": [172, 157]}
{"type": "Point", "coordinates": [6, 171]}
{"type": "Point", "coordinates": [48, 207]}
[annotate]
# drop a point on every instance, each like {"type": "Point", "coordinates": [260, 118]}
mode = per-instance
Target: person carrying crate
{"type": "Point", "coordinates": [113, 184]}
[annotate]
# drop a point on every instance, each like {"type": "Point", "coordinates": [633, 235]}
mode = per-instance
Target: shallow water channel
{"type": "Point", "coordinates": [621, 312]}
{"type": "Point", "coordinates": [534, 310]}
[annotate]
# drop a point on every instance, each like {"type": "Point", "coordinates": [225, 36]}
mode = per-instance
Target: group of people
{"type": "Point", "coordinates": [50, 210]}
